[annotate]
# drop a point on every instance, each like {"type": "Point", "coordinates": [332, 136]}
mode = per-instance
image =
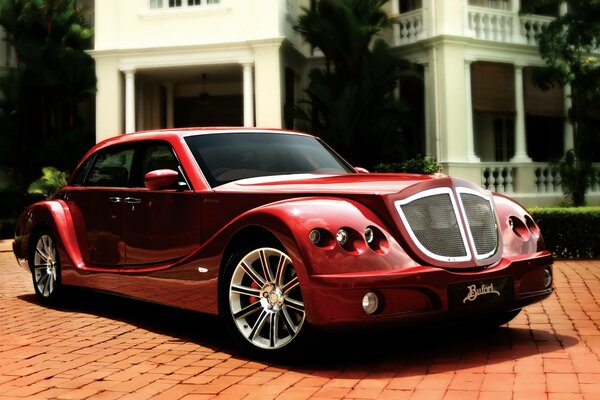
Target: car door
{"type": "Point", "coordinates": [160, 226]}
{"type": "Point", "coordinates": [97, 206]}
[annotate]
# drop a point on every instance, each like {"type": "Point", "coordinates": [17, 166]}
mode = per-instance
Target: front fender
{"type": "Point", "coordinates": [54, 216]}
{"type": "Point", "coordinates": [520, 234]}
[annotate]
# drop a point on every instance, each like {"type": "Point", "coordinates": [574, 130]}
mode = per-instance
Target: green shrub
{"type": "Point", "coordinates": [570, 232]}
{"type": "Point", "coordinates": [419, 165]}
{"type": "Point", "coordinates": [52, 181]}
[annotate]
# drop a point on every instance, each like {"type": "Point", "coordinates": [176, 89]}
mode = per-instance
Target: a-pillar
{"type": "Point", "coordinates": [471, 156]}
{"type": "Point", "coordinates": [169, 94]}
{"type": "Point", "coordinates": [520, 140]}
{"type": "Point", "coordinates": [129, 101]}
{"type": "Point", "coordinates": [248, 88]}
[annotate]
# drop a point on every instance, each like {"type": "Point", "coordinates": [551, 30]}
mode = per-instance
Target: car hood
{"type": "Point", "coordinates": [442, 221]}
{"type": "Point", "coordinates": [346, 184]}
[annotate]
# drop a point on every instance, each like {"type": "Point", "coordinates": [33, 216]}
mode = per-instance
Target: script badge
{"type": "Point", "coordinates": [475, 291]}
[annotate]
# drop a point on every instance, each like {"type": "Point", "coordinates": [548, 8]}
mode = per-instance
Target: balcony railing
{"type": "Point", "coordinates": [482, 23]}
{"type": "Point", "coordinates": [506, 177]}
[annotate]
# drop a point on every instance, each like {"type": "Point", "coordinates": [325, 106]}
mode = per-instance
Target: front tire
{"type": "Point", "coordinates": [45, 268]}
{"type": "Point", "coordinates": [262, 302]}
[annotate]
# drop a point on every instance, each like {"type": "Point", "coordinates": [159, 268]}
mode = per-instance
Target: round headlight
{"type": "Point", "coordinates": [370, 303]}
{"type": "Point", "coordinates": [342, 236]}
{"type": "Point", "coordinates": [314, 236]}
{"type": "Point", "coordinates": [369, 235]}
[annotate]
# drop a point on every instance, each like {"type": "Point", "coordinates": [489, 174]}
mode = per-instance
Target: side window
{"type": "Point", "coordinates": [111, 168]}
{"type": "Point", "coordinates": [81, 173]}
{"type": "Point", "coordinates": [153, 157]}
{"type": "Point", "coordinates": [158, 157]}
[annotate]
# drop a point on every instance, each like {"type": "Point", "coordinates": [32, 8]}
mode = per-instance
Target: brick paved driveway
{"type": "Point", "coordinates": [102, 347]}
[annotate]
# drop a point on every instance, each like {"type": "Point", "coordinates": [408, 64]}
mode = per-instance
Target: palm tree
{"type": "Point", "coordinates": [53, 76]}
{"type": "Point", "coordinates": [351, 102]}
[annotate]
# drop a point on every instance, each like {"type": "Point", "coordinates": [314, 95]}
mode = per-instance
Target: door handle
{"type": "Point", "coordinates": [115, 199]}
{"type": "Point", "coordinates": [132, 200]}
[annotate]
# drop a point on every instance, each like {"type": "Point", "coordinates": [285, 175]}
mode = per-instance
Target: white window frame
{"type": "Point", "coordinates": [156, 5]}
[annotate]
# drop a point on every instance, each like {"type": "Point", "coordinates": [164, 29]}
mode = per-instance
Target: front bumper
{"type": "Point", "coordinates": [427, 293]}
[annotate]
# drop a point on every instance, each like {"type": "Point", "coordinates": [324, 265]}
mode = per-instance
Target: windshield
{"type": "Point", "coordinates": [227, 157]}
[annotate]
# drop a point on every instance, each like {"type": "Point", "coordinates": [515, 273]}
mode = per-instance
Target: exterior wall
{"type": "Point", "coordinates": [172, 48]}
{"type": "Point", "coordinates": [245, 46]}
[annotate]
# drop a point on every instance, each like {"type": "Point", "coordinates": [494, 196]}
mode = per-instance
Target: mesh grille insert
{"type": "Point", "coordinates": [433, 221]}
{"type": "Point", "coordinates": [482, 223]}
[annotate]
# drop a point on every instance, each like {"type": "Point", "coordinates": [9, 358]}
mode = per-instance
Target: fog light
{"type": "Point", "coordinates": [342, 237]}
{"type": "Point", "coordinates": [547, 278]}
{"type": "Point", "coordinates": [369, 235]}
{"type": "Point", "coordinates": [314, 236]}
{"type": "Point", "coordinates": [370, 303]}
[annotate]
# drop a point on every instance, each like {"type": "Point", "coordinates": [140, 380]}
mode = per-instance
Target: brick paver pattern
{"type": "Point", "coordinates": [104, 347]}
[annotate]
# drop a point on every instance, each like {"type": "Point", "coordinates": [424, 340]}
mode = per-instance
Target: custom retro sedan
{"type": "Point", "coordinates": [278, 234]}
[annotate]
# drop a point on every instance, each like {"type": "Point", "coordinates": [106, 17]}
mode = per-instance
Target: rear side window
{"type": "Point", "coordinates": [111, 168]}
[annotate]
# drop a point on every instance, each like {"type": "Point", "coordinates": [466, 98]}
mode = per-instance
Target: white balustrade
{"type": "Point", "coordinates": [491, 24]}
{"type": "Point", "coordinates": [531, 25]}
{"type": "Point", "coordinates": [411, 26]}
{"type": "Point", "coordinates": [498, 179]}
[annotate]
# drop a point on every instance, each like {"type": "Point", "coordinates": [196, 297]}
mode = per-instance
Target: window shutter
{"type": "Point", "coordinates": [493, 87]}
{"type": "Point", "coordinates": [549, 103]}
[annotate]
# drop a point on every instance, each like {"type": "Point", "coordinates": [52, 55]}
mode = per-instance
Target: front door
{"type": "Point", "coordinates": [160, 226]}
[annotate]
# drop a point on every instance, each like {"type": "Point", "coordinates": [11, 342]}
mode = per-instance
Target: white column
{"type": "Point", "coordinates": [427, 107]}
{"type": "Point", "coordinates": [396, 27]}
{"type": "Point", "coordinates": [248, 95]}
{"type": "Point", "coordinates": [520, 140]}
{"type": "Point", "coordinates": [170, 107]}
{"type": "Point", "coordinates": [518, 37]}
{"type": "Point", "coordinates": [139, 113]}
{"type": "Point", "coordinates": [129, 101]}
{"type": "Point", "coordinates": [568, 139]}
{"type": "Point", "coordinates": [471, 156]}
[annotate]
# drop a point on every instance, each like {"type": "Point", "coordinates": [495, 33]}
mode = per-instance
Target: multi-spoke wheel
{"type": "Point", "coordinates": [262, 301]}
{"type": "Point", "coordinates": [45, 268]}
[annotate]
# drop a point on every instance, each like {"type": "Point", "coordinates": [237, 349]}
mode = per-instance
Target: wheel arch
{"type": "Point", "coordinates": [52, 216]}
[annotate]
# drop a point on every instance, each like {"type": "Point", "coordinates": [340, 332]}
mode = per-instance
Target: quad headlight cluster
{"type": "Point", "coordinates": [350, 239]}
{"type": "Point", "coordinates": [524, 229]}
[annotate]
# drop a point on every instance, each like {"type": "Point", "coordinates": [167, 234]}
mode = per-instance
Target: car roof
{"type": "Point", "coordinates": [165, 134]}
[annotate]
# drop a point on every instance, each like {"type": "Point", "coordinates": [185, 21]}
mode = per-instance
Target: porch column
{"type": "Point", "coordinates": [139, 113]}
{"type": "Point", "coordinates": [568, 139]}
{"type": "Point", "coordinates": [396, 27]}
{"type": "Point", "coordinates": [129, 101]}
{"type": "Point", "coordinates": [516, 22]}
{"type": "Point", "coordinates": [248, 95]}
{"type": "Point", "coordinates": [520, 140]}
{"type": "Point", "coordinates": [471, 156]}
{"type": "Point", "coordinates": [169, 100]}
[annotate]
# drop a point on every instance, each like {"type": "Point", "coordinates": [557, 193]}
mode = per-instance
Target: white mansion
{"type": "Point", "coordinates": [175, 63]}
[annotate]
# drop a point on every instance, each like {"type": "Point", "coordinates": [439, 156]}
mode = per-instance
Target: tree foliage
{"type": "Point", "coordinates": [40, 110]}
{"type": "Point", "coordinates": [568, 46]}
{"type": "Point", "coordinates": [351, 101]}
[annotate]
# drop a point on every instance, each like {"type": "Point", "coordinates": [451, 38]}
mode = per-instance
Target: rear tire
{"type": "Point", "coordinates": [262, 304]}
{"type": "Point", "coordinates": [44, 262]}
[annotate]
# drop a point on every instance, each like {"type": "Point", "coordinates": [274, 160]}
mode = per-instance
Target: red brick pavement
{"type": "Point", "coordinates": [103, 347]}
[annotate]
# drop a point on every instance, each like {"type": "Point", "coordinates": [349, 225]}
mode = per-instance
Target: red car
{"type": "Point", "coordinates": [277, 233]}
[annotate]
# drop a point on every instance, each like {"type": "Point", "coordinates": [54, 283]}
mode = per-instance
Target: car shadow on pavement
{"type": "Point", "coordinates": [436, 348]}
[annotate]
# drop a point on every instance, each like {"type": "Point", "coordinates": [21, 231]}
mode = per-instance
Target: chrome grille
{"type": "Point", "coordinates": [482, 223]}
{"type": "Point", "coordinates": [433, 221]}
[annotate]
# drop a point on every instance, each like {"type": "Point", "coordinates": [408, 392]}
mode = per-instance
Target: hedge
{"type": "Point", "coordinates": [570, 232]}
